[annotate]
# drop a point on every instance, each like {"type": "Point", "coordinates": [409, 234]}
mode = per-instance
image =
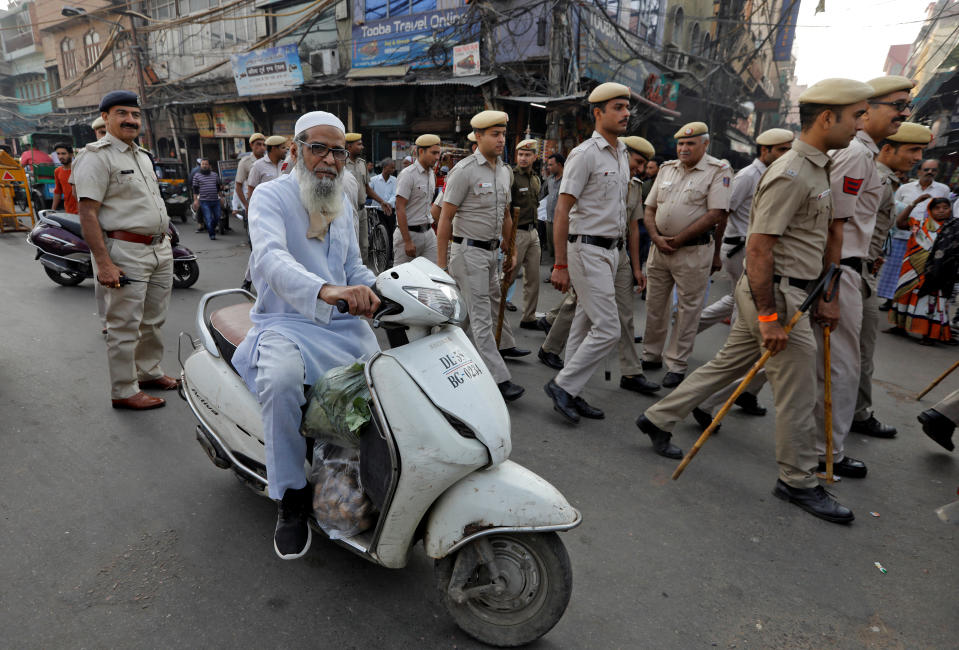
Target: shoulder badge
{"type": "Point", "coordinates": [851, 185]}
{"type": "Point", "coordinates": [792, 173]}
{"type": "Point", "coordinates": [96, 146]}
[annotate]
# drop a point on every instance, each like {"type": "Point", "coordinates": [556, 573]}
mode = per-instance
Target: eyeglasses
{"type": "Point", "coordinates": [320, 150]}
{"type": "Point", "coordinates": [900, 105]}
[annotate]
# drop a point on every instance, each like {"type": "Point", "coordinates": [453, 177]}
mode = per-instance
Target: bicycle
{"type": "Point", "coordinates": [381, 248]}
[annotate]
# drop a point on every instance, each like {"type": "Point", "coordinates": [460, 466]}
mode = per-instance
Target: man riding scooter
{"type": "Point", "coordinates": [305, 257]}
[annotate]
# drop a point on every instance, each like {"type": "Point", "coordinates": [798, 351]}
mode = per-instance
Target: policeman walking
{"type": "Point", "coordinates": [687, 202]}
{"type": "Point", "coordinates": [125, 224]}
{"type": "Point", "coordinates": [525, 193]}
{"type": "Point", "coordinates": [588, 229]}
{"type": "Point", "coordinates": [791, 231]}
{"type": "Point", "coordinates": [474, 215]}
{"type": "Point", "coordinates": [415, 185]}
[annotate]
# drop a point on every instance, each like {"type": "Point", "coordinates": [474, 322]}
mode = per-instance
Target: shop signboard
{"type": "Point", "coordinates": [266, 71]}
{"type": "Point", "coordinates": [661, 90]}
{"type": "Point", "coordinates": [466, 59]}
{"type": "Point", "coordinates": [786, 30]}
{"type": "Point", "coordinates": [204, 125]}
{"type": "Point", "coordinates": [232, 122]}
{"type": "Point", "coordinates": [407, 39]}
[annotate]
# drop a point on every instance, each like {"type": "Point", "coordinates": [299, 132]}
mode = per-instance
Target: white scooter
{"type": "Point", "coordinates": [433, 460]}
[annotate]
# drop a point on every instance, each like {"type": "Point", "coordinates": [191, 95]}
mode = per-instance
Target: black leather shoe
{"type": "Point", "coordinates": [848, 467]}
{"type": "Point", "coordinates": [510, 306]}
{"type": "Point", "coordinates": [938, 427]}
{"type": "Point", "coordinates": [659, 438]}
{"type": "Point", "coordinates": [673, 379]}
{"type": "Point", "coordinates": [514, 352]}
{"type": "Point", "coordinates": [529, 325]}
{"type": "Point", "coordinates": [550, 359]}
{"type": "Point", "coordinates": [587, 411]}
{"type": "Point", "coordinates": [292, 537]}
{"type": "Point", "coordinates": [704, 419]}
{"type": "Point", "coordinates": [563, 402]}
{"type": "Point", "coordinates": [750, 405]}
{"type": "Point", "coordinates": [510, 391]}
{"type": "Point", "coordinates": [652, 365]}
{"type": "Point", "coordinates": [638, 384]}
{"type": "Point", "coordinates": [873, 427]}
{"type": "Point", "coordinates": [543, 324]}
{"type": "Point", "coordinates": [816, 501]}
{"type": "Point", "coordinates": [637, 339]}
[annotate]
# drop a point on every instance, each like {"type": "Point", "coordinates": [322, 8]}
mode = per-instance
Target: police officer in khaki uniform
{"type": "Point", "coordinates": [415, 185]}
{"type": "Point", "coordinates": [686, 205]}
{"type": "Point", "coordinates": [897, 153]}
{"type": "Point", "coordinates": [791, 236]}
{"type": "Point", "coordinates": [125, 224]}
{"type": "Point", "coordinates": [99, 127]}
{"type": "Point", "coordinates": [357, 166]}
{"type": "Point", "coordinates": [588, 228]}
{"type": "Point", "coordinates": [476, 217]}
{"type": "Point", "coordinates": [525, 192]}
{"type": "Point", "coordinates": [856, 191]}
{"type": "Point", "coordinates": [99, 293]}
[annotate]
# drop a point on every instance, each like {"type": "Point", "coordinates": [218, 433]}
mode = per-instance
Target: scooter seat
{"type": "Point", "coordinates": [229, 327]}
{"type": "Point", "coordinates": [69, 222]}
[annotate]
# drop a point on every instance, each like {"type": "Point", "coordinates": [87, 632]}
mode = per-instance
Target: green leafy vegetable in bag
{"type": "Point", "coordinates": [338, 407]}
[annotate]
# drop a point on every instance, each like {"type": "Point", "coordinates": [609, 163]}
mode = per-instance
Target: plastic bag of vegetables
{"type": "Point", "coordinates": [338, 407]}
{"type": "Point", "coordinates": [340, 505]}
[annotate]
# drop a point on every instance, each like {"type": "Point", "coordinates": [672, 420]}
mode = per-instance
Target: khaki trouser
{"type": "Point", "coordinates": [867, 345]}
{"type": "Point", "coordinates": [135, 313]}
{"type": "Point", "coordinates": [844, 352]}
{"type": "Point", "coordinates": [595, 328]}
{"type": "Point", "coordinates": [475, 271]}
{"type": "Point", "coordinates": [528, 255]}
{"type": "Point", "coordinates": [425, 243]}
{"type": "Point", "coordinates": [791, 372]}
{"type": "Point", "coordinates": [725, 307]}
{"type": "Point", "coordinates": [688, 270]}
{"type": "Point", "coordinates": [628, 358]}
{"type": "Point", "coordinates": [949, 406]}
{"type": "Point", "coordinates": [100, 293]}
{"type": "Point", "coordinates": [562, 319]}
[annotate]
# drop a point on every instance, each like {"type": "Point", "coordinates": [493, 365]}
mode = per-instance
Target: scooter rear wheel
{"type": "Point", "coordinates": [538, 582]}
{"type": "Point", "coordinates": [65, 279]}
{"type": "Point", "coordinates": [185, 273]}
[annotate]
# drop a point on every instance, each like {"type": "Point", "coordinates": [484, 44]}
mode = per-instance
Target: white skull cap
{"type": "Point", "coordinates": [318, 118]}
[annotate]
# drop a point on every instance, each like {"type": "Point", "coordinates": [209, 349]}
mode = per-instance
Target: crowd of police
{"type": "Point", "coordinates": [616, 222]}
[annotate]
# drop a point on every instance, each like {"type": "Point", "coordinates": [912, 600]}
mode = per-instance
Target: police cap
{"type": "Point", "coordinates": [274, 140]}
{"type": "Point", "coordinates": [489, 119]}
{"type": "Point", "coordinates": [353, 137]}
{"type": "Point", "coordinates": [642, 146]}
{"type": "Point", "coordinates": [471, 136]}
{"type": "Point", "coordinates": [912, 133]}
{"type": "Point", "coordinates": [118, 98]}
{"type": "Point", "coordinates": [98, 124]}
{"type": "Point", "coordinates": [527, 145]}
{"type": "Point", "coordinates": [257, 136]}
{"type": "Point", "coordinates": [607, 91]}
{"type": "Point", "coordinates": [772, 137]}
{"type": "Point", "coordinates": [890, 84]}
{"type": "Point", "coordinates": [836, 92]}
{"type": "Point", "coordinates": [427, 140]}
{"type": "Point", "coordinates": [691, 130]}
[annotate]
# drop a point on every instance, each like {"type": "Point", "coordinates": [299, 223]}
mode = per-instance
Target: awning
{"type": "Point", "coordinates": [399, 75]}
{"type": "Point", "coordinates": [379, 71]}
{"type": "Point", "coordinates": [659, 107]}
{"type": "Point", "coordinates": [549, 102]}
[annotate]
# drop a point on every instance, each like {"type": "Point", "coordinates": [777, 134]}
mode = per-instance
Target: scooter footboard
{"type": "Point", "coordinates": [506, 497]}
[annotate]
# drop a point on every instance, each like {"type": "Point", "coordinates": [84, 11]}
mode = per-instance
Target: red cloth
{"type": "Point", "coordinates": [61, 185]}
{"type": "Point", "coordinates": [31, 156]}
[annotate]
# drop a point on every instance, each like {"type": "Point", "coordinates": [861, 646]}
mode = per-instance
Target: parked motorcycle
{"type": "Point", "coordinates": [433, 460]}
{"type": "Point", "coordinates": [65, 255]}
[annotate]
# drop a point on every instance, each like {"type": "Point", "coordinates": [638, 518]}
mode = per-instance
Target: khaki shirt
{"type": "Point", "coordinates": [525, 191]}
{"type": "Point", "coordinates": [481, 194]}
{"type": "Point", "coordinates": [682, 196]}
{"type": "Point", "coordinates": [635, 209]}
{"type": "Point", "coordinates": [416, 184]}
{"type": "Point", "coordinates": [243, 169]}
{"type": "Point", "coordinates": [741, 203]}
{"type": "Point", "coordinates": [122, 180]}
{"type": "Point", "coordinates": [263, 170]}
{"type": "Point", "coordinates": [856, 191]}
{"type": "Point", "coordinates": [362, 176]}
{"type": "Point", "coordinates": [793, 203]}
{"type": "Point", "coordinates": [597, 175]}
{"type": "Point", "coordinates": [885, 219]}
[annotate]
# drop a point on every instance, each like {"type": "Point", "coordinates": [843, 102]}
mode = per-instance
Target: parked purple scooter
{"type": "Point", "coordinates": [65, 255]}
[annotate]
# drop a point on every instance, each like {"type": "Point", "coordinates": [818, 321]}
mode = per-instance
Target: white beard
{"type": "Point", "coordinates": [322, 198]}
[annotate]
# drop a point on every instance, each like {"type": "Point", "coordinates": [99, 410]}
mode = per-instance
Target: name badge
{"type": "Point", "coordinates": [524, 189]}
{"type": "Point", "coordinates": [609, 173]}
{"type": "Point", "coordinates": [667, 183]}
{"type": "Point", "coordinates": [824, 195]}
{"type": "Point", "coordinates": [127, 171]}
{"type": "Point", "coordinates": [484, 185]}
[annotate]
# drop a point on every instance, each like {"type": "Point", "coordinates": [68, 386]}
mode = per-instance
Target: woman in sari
{"type": "Point", "coordinates": [916, 311]}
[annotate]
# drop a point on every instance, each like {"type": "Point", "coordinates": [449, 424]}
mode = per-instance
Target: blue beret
{"type": "Point", "coordinates": [118, 98]}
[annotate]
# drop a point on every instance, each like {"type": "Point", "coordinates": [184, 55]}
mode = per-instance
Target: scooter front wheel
{"type": "Point", "coordinates": [185, 273]}
{"type": "Point", "coordinates": [516, 600]}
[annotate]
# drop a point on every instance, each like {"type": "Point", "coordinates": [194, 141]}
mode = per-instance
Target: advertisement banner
{"type": "Point", "coordinates": [466, 59]}
{"type": "Point", "coordinates": [786, 30]}
{"type": "Point", "coordinates": [407, 39]}
{"type": "Point", "coordinates": [232, 122]}
{"type": "Point", "coordinates": [267, 71]}
{"type": "Point", "coordinates": [204, 125]}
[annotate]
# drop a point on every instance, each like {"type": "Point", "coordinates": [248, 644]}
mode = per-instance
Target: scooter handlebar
{"type": "Point", "coordinates": [342, 306]}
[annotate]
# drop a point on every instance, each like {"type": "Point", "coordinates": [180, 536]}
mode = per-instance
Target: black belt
{"type": "Point", "coordinates": [737, 243]}
{"type": "Point", "coordinates": [421, 228]}
{"type": "Point", "coordinates": [593, 240]}
{"type": "Point", "coordinates": [702, 240]}
{"type": "Point", "coordinates": [853, 263]}
{"type": "Point", "coordinates": [734, 240]}
{"type": "Point", "coordinates": [526, 226]}
{"type": "Point", "coordinates": [793, 282]}
{"type": "Point", "coordinates": [489, 245]}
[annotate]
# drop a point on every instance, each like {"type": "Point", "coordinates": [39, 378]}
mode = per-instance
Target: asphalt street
{"type": "Point", "coordinates": [118, 532]}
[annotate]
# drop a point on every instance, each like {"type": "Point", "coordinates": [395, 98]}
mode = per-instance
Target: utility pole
{"type": "Point", "coordinates": [557, 62]}
{"type": "Point", "coordinates": [137, 53]}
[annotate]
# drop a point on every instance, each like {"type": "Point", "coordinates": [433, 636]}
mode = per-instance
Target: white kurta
{"type": "Point", "coordinates": [288, 271]}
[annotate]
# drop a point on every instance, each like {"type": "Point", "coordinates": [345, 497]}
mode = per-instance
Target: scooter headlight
{"type": "Point", "coordinates": [444, 300]}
